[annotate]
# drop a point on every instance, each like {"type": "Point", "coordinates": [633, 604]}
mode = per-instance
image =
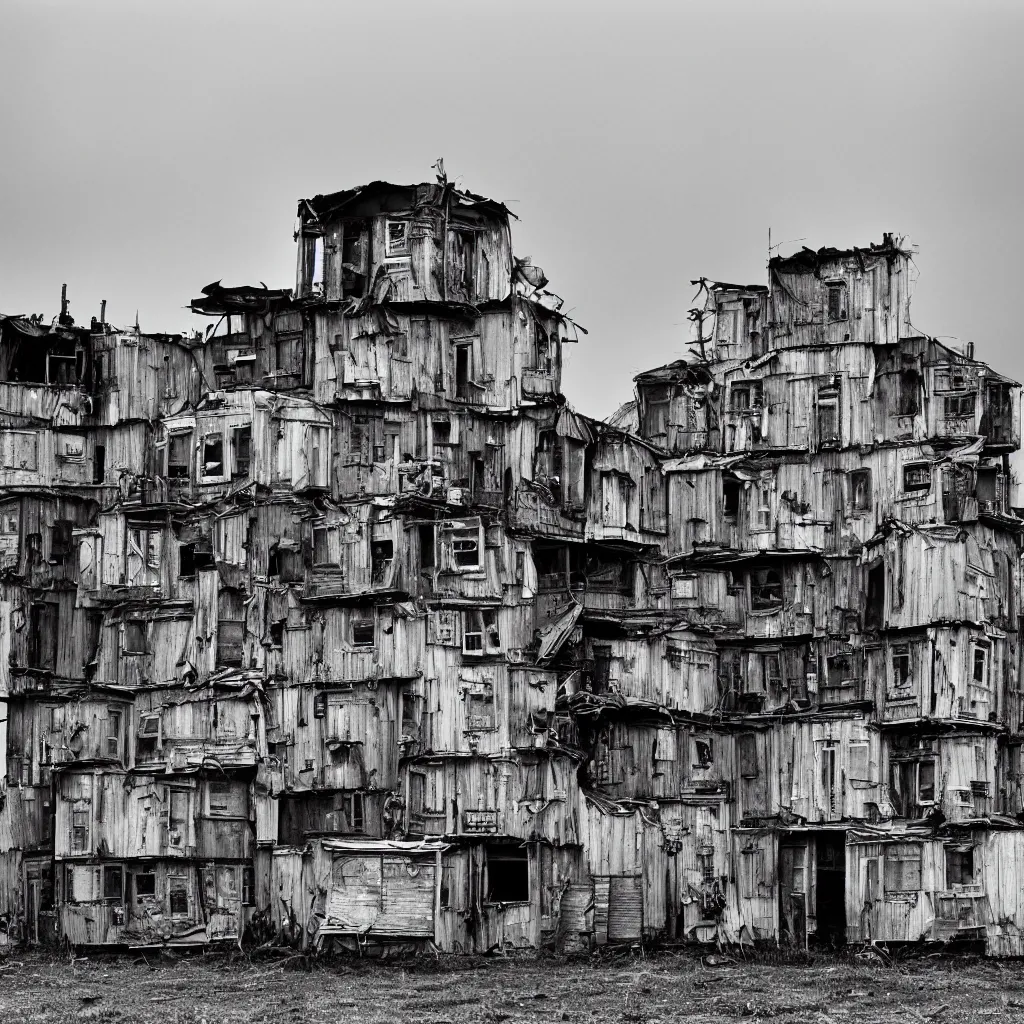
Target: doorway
{"type": "Point", "coordinates": [830, 907]}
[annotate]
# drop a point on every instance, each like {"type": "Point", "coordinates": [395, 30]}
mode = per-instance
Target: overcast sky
{"type": "Point", "coordinates": [148, 149]}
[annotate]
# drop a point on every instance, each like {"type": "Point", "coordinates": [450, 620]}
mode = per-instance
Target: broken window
{"type": "Point", "coordinates": [912, 788]}
{"type": "Point", "coordinates": [465, 544]}
{"type": "Point", "coordinates": [917, 476]}
{"type": "Point", "coordinates": [134, 637]}
{"type": "Point", "coordinates": [903, 867]}
{"type": "Point", "coordinates": [828, 422]}
{"type": "Point", "coordinates": [225, 800]}
{"type": "Point", "coordinates": [900, 665]}
{"type": "Point", "coordinates": [241, 450]}
{"type": "Point", "coordinates": [362, 629]}
{"type": "Point", "coordinates": [959, 865]}
{"type": "Point", "coordinates": [179, 447]}
{"type": "Point", "coordinates": [909, 388]}
{"type": "Point", "coordinates": [508, 874]}
{"type": "Point", "coordinates": [702, 753]}
{"type": "Point", "coordinates": [837, 301]}
{"type": "Point", "coordinates": [860, 490]}
{"type": "Point", "coordinates": [480, 634]}
{"type": "Point", "coordinates": [193, 557]}
{"type": "Point", "coordinates": [397, 241]}
{"type": "Point", "coordinates": [765, 589]}
{"type": "Point", "coordinates": [212, 456]}
{"type": "Point", "coordinates": [144, 544]}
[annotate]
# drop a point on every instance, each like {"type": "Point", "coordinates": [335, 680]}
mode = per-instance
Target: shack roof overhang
{"type": "Point", "coordinates": [386, 197]}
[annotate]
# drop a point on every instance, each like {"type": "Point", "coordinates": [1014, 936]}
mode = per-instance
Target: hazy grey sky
{"type": "Point", "coordinates": [147, 149]}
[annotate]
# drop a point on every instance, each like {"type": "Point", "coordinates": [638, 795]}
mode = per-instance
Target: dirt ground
{"type": "Point", "coordinates": [633, 987]}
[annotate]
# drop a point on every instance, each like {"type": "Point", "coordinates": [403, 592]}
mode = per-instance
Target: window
{"type": "Point", "coordinates": [837, 302]}
{"type": "Point", "coordinates": [702, 754]}
{"type": "Point", "coordinates": [42, 640]}
{"type": "Point", "coordinates": [684, 588]}
{"type": "Point", "coordinates": [480, 711]}
{"type": "Point", "coordinates": [917, 476]}
{"type": "Point", "coordinates": [828, 422]}
{"type": "Point", "coordinates": [771, 665]}
{"type": "Point", "coordinates": [480, 632]}
{"type": "Point", "coordinates": [980, 659]}
{"type": "Point", "coordinates": [150, 727]}
{"type": "Point", "coordinates": [909, 387]}
{"type": "Point", "coordinates": [145, 886]}
{"type": "Point", "coordinates": [913, 787]}
{"type": "Point", "coordinates": [177, 801]}
{"type": "Point", "coordinates": [18, 449]}
{"type": "Point", "coordinates": [464, 371]}
{"type": "Point", "coordinates": [746, 394]}
{"type": "Point", "coordinates": [749, 768]}
{"type": "Point", "coordinates": [134, 637]}
{"type": "Point", "coordinates": [113, 884]}
{"type": "Point", "coordinates": [765, 589]}
{"type": "Point", "coordinates": [248, 886]}
{"type": "Point", "coordinates": [730, 498]}
{"type": "Point", "coordinates": [80, 822]}
{"type": "Point", "coordinates": [178, 449]}
{"type": "Point", "coordinates": [959, 406]}
{"type": "Point", "coordinates": [113, 744]}
{"type": "Point", "coordinates": [177, 895]}
{"type": "Point", "coordinates": [959, 865]}
{"type": "Point", "coordinates": [60, 541]}
{"type": "Point", "coordinates": [241, 450]}
{"type": "Point", "coordinates": [763, 512]}
{"type": "Point", "coordinates": [322, 545]}
{"type": "Point", "coordinates": [466, 546]}
{"type": "Point", "coordinates": [225, 800]}
{"type": "Point", "coordinates": [213, 455]}
{"type": "Point", "coordinates": [362, 630]}
{"type": "Point", "coordinates": [193, 557]}
{"type": "Point", "coordinates": [860, 764]}
{"type": "Point", "coordinates": [397, 238]}
{"type": "Point", "coordinates": [903, 867]}
{"type": "Point", "coordinates": [508, 875]}
{"type": "Point", "coordinates": [900, 665]}
{"type": "Point", "coordinates": [144, 544]}
{"type": "Point", "coordinates": [382, 554]}
{"type": "Point", "coordinates": [288, 350]}
{"type": "Point", "coordinates": [860, 490]}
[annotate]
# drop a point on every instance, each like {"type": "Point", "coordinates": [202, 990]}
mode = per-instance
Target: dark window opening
{"type": "Point", "coordinates": [765, 589]}
{"type": "Point", "coordinates": [241, 449]}
{"type": "Point", "coordinates": [134, 637]}
{"type": "Point", "coordinates": [178, 896]}
{"type": "Point", "coordinates": [426, 535]}
{"type": "Point", "coordinates": [508, 875]}
{"type": "Point", "coordinates": [145, 885]}
{"type": "Point", "coordinates": [959, 406]}
{"type": "Point", "coordinates": [837, 302]}
{"type": "Point", "coordinates": [213, 455]}
{"type": "Point", "coordinates": [959, 865]}
{"type": "Point", "coordinates": [60, 541]}
{"type": "Point", "coordinates": [382, 553]}
{"type": "Point", "coordinates": [178, 446]}
{"type": "Point", "coordinates": [99, 463]}
{"type": "Point", "coordinates": [193, 557]}
{"type": "Point", "coordinates": [42, 641]}
{"type": "Point", "coordinates": [748, 394]}
{"type": "Point", "coordinates": [900, 665]}
{"type": "Point", "coordinates": [874, 609]}
{"type": "Point", "coordinates": [285, 563]}
{"type": "Point", "coordinates": [113, 884]}
{"type": "Point", "coordinates": [731, 497]}
{"type": "Point", "coordinates": [362, 632]}
{"type": "Point", "coordinates": [910, 389]}
{"type": "Point", "coordinates": [463, 371]}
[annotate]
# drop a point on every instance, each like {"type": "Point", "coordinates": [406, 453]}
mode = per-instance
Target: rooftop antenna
{"type": "Point", "coordinates": [65, 320]}
{"type": "Point", "coordinates": [103, 311]}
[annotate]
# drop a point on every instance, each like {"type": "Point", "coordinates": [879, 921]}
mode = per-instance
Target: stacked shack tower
{"type": "Point", "coordinates": [334, 622]}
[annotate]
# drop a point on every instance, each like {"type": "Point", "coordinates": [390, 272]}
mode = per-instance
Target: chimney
{"type": "Point", "coordinates": [103, 311]}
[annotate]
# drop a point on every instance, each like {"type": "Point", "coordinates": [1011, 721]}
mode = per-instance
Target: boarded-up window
{"type": "Point", "coordinates": [749, 768]}
{"type": "Point", "coordinates": [837, 302]}
{"type": "Point", "coordinates": [134, 637]}
{"type": "Point", "coordinates": [480, 711]}
{"type": "Point", "coordinates": [859, 762]}
{"type": "Point", "coordinates": [177, 895]}
{"type": "Point", "coordinates": [654, 507]}
{"type": "Point", "coordinates": [903, 867]}
{"type": "Point", "coordinates": [230, 627]}
{"type": "Point", "coordinates": [226, 800]}
{"type": "Point", "coordinates": [18, 449]}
